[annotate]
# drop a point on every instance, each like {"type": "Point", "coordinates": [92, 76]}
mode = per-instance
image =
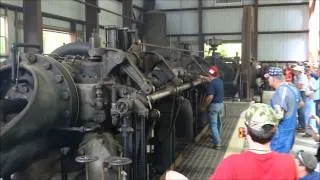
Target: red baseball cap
{"type": "Point", "coordinates": [213, 70]}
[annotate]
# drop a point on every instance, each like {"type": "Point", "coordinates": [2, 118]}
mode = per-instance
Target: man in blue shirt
{"type": "Point", "coordinates": [306, 163]}
{"type": "Point", "coordinates": [213, 102]}
{"type": "Point", "coordinates": [285, 103]}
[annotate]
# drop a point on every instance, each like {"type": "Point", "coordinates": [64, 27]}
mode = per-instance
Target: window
{"type": "Point", "coordinates": [3, 36]}
{"type": "Point", "coordinates": [54, 39]}
{"type": "Point", "coordinates": [230, 50]}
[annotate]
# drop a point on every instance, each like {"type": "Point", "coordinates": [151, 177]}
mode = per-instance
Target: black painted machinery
{"type": "Point", "coordinates": [87, 112]}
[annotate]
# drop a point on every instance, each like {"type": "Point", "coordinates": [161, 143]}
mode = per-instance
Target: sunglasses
{"type": "Point", "coordinates": [299, 157]}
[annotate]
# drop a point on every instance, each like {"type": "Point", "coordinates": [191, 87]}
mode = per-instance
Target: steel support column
{"type": "Point", "coordinates": [32, 24]}
{"type": "Point", "coordinates": [127, 11]}
{"type": "Point", "coordinates": [91, 18]}
{"type": "Point", "coordinates": [200, 21]}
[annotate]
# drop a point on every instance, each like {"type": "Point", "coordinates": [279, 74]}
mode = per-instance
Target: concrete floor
{"type": "Point", "coordinates": [200, 159]}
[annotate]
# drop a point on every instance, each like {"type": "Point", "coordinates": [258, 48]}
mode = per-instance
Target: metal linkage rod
{"type": "Point", "coordinates": [106, 10]}
{"type": "Point", "coordinates": [172, 90]}
{"type": "Point", "coordinates": [164, 47]}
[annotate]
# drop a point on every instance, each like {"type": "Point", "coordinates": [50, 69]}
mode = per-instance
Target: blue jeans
{"type": "Point", "coordinates": [214, 116]}
{"type": "Point", "coordinates": [309, 109]}
{"type": "Point", "coordinates": [301, 112]}
{"type": "Point", "coordinates": [283, 140]}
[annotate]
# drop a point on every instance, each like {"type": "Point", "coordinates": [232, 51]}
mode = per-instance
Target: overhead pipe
{"type": "Point", "coordinates": [73, 49]}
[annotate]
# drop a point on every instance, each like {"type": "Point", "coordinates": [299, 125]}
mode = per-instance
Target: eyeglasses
{"type": "Point", "coordinates": [299, 157]}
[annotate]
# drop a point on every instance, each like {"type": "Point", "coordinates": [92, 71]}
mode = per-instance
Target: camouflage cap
{"type": "Point", "coordinates": [258, 115]}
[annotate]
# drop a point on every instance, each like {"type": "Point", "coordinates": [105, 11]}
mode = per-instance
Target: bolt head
{"type": "Point", "coordinates": [66, 95]}
{"type": "Point", "coordinates": [47, 66]}
{"type": "Point", "coordinates": [67, 114]}
{"type": "Point", "coordinates": [32, 58]}
{"type": "Point", "coordinates": [59, 78]}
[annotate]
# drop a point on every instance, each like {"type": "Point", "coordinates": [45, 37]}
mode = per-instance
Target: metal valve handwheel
{"type": "Point", "coordinates": [86, 159]}
{"type": "Point", "coordinates": [118, 161]}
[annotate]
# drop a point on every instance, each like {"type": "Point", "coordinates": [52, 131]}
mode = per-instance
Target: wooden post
{"type": "Point", "coordinates": [32, 24]}
{"type": "Point", "coordinates": [313, 44]}
{"type": "Point", "coordinates": [247, 51]}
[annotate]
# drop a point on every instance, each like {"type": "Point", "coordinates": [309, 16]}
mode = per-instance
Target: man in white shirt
{"type": "Point", "coordinates": [310, 106]}
{"type": "Point", "coordinates": [301, 81]}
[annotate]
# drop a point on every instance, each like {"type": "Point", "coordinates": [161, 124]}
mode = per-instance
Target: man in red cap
{"type": "Point", "coordinates": [213, 102]}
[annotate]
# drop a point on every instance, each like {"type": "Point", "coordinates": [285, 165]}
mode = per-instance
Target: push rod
{"type": "Point", "coordinates": [172, 90]}
{"type": "Point", "coordinates": [164, 47]}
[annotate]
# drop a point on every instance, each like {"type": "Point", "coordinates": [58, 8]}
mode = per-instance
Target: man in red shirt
{"type": "Point", "coordinates": [258, 162]}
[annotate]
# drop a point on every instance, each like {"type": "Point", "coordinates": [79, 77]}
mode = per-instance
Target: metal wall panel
{"type": "Point", "coordinates": [282, 47]}
{"type": "Point", "coordinates": [172, 4]}
{"type": "Point", "coordinates": [283, 18]}
{"type": "Point", "coordinates": [13, 2]}
{"type": "Point", "coordinates": [56, 23]}
{"type": "Point", "coordinates": [222, 20]}
{"type": "Point", "coordinates": [75, 10]}
{"type": "Point", "coordinates": [70, 9]}
{"type": "Point", "coordinates": [106, 18]}
{"type": "Point", "coordinates": [212, 3]}
{"type": "Point", "coordinates": [185, 22]}
{"type": "Point", "coordinates": [66, 8]}
{"type": "Point", "coordinates": [281, 1]}
{"type": "Point", "coordinates": [192, 40]}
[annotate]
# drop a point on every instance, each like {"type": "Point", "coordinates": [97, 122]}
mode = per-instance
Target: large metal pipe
{"type": "Point", "coordinates": [111, 36]}
{"type": "Point", "coordinates": [131, 37]}
{"type": "Point", "coordinates": [72, 49]}
{"type": "Point", "coordinates": [171, 91]}
{"type": "Point", "coordinates": [123, 39]}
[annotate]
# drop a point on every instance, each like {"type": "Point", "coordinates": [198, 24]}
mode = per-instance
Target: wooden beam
{"type": "Point", "coordinates": [247, 36]}
{"type": "Point", "coordinates": [200, 26]}
{"type": "Point", "coordinates": [127, 11]}
{"type": "Point", "coordinates": [91, 18]}
{"type": "Point", "coordinates": [313, 43]}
